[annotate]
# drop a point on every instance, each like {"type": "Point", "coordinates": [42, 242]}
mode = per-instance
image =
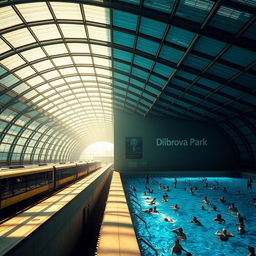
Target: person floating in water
{"type": "Point", "coordinates": [175, 182]}
{"type": "Point", "coordinates": [153, 201]}
{"type": "Point", "coordinates": [224, 235]}
{"type": "Point", "coordinates": [180, 234]}
{"type": "Point", "coordinates": [164, 199]}
{"type": "Point", "coordinates": [219, 219]}
{"type": "Point", "coordinates": [147, 179]}
{"type": "Point", "coordinates": [196, 221]}
{"type": "Point", "coordinates": [240, 228]}
{"type": "Point", "coordinates": [249, 183]}
{"type": "Point", "coordinates": [177, 248]}
{"type": "Point", "coordinates": [232, 208]}
{"type": "Point", "coordinates": [202, 208]}
{"type": "Point", "coordinates": [251, 251]}
{"type": "Point", "coordinates": [214, 208]}
{"type": "Point", "coordinates": [206, 201]}
{"type": "Point", "coordinates": [150, 210]}
{"type": "Point", "coordinates": [175, 207]}
{"type": "Point", "coordinates": [191, 191]}
{"type": "Point", "coordinates": [168, 220]}
{"type": "Point", "coordinates": [155, 210]}
{"type": "Point", "coordinates": [222, 199]}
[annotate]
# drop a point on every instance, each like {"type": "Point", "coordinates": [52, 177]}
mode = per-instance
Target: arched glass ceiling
{"type": "Point", "coordinates": [65, 65]}
{"type": "Point", "coordinates": [49, 65]}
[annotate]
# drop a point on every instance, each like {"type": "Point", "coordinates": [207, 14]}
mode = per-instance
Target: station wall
{"type": "Point", "coordinates": [161, 144]}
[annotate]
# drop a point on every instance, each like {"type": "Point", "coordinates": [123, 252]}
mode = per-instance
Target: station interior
{"type": "Point", "coordinates": [140, 86]}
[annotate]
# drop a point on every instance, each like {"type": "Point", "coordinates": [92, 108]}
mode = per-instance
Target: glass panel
{"type": "Point", "coordinates": [8, 17]}
{"type": "Point", "coordinates": [97, 33]}
{"type": "Point", "coordinates": [102, 62]}
{"type": "Point", "coordinates": [152, 28]}
{"type": "Point", "coordinates": [56, 49]}
{"type": "Point", "coordinates": [33, 54]}
{"type": "Point", "coordinates": [19, 37]}
{"type": "Point", "coordinates": [82, 60]}
{"type": "Point", "coordinates": [25, 72]}
{"type": "Point", "coordinates": [73, 31]}
{"type": "Point", "coordinates": [69, 11]}
{"type": "Point", "coordinates": [31, 11]}
{"type": "Point", "coordinates": [13, 62]}
{"type": "Point", "coordinates": [62, 61]}
{"type": "Point", "coordinates": [195, 10]}
{"type": "Point", "coordinates": [97, 14]}
{"type": "Point", "coordinates": [51, 74]}
{"type": "Point", "coordinates": [35, 81]}
{"type": "Point", "coordinates": [79, 47]}
{"type": "Point", "coordinates": [103, 50]}
{"type": "Point", "coordinates": [125, 20]}
{"type": "Point", "coordinates": [46, 32]}
{"type": "Point", "coordinates": [3, 46]}
{"type": "Point", "coordinates": [43, 65]}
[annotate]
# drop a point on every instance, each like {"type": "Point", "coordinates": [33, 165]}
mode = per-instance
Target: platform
{"type": "Point", "coordinates": [23, 227]}
{"type": "Point", "coordinates": [117, 236]}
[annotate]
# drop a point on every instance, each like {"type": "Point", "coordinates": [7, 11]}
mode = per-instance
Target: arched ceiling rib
{"type": "Point", "coordinates": [72, 62]}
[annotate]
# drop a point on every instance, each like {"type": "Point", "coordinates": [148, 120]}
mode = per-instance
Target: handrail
{"type": "Point", "coordinates": [142, 221]}
{"type": "Point", "coordinates": [130, 193]}
{"type": "Point", "coordinates": [132, 200]}
{"type": "Point", "coordinates": [149, 245]}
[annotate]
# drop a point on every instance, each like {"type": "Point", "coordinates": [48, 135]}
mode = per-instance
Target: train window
{"type": "Point", "coordinates": [31, 182]}
{"type": "Point", "coordinates": [18, 185]}
{"type": "Point", "coordinates": [6, 188]}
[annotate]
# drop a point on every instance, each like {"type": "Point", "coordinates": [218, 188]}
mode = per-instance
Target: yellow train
{"type": "Point", "coordinates": [19, 185]}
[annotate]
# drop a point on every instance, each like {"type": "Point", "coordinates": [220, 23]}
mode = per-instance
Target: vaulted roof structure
{"type": "Point", "coordinates": [65, 66]}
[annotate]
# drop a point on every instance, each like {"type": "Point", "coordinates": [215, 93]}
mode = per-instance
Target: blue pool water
{"type": "Point", "coordinates": [200, 239]}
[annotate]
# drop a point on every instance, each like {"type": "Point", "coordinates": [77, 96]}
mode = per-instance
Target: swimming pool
{"type": "Point", "coordinates": [201, 240]}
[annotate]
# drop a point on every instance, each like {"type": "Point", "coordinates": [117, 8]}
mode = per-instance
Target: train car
{"type": "Point", "coordinates": [82, 170]}
{"type": "Point", "coordinates": [92, 166]}
{"type": "Point", "coordinates": [65, 174]}
{"type": "Point", "coordinates": [18, 185]}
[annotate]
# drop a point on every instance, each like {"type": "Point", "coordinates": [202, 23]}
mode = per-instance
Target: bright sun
{"type": "Point", "coordinates": [97, 150]}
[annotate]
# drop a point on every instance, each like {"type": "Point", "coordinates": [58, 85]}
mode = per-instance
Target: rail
{"type": "Point", "coordinates": [146, 225]}
{"type": "Point", "coordinates": [148, 244]}
{"type": "Point", "coordinates": [132, 200]}
{"type": "Point", "coordinates": [132, 194]}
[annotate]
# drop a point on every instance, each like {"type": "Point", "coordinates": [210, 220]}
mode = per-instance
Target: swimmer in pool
{"type": "Point", "coordinates": [224, 235]}
{"type": "Point", "coordinates": [239, 216]}
{"type": "Point", "coordinates": [155, 210]}
{"type": "Point", "coordinates": [240, 228]}
{"type": "Point", "coordinates": [202, 208]}
{"type": "Point", "coordinates": [168, 220]}
{"type": "Point", "coordinates": [219, 219]}
{"type": "Point", "coordinates": [175, 207]}
{"type": "Point", "coordinates": [214, 208]}
{"type": "Point", "coordinates": [147, 210]}
{"type": "Point", "coordinates": [177, 248]}
{"type": "Point", "coordinates": [164, 199]}
{"type": "Point", "coordinates": [206, 201]}
{"type": "Point", "coordinates": [232, 208]}
{"type": "Point", "coordinates": [222, 199]}
{"type": "Point", "coordinates": [153, 201]}
{"type": "Point", "coordinates": [251, 251]}
{"type": "Point", "coordinates": [196, 221]}
{"type": "Point", "coordinates": [180, 234]}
